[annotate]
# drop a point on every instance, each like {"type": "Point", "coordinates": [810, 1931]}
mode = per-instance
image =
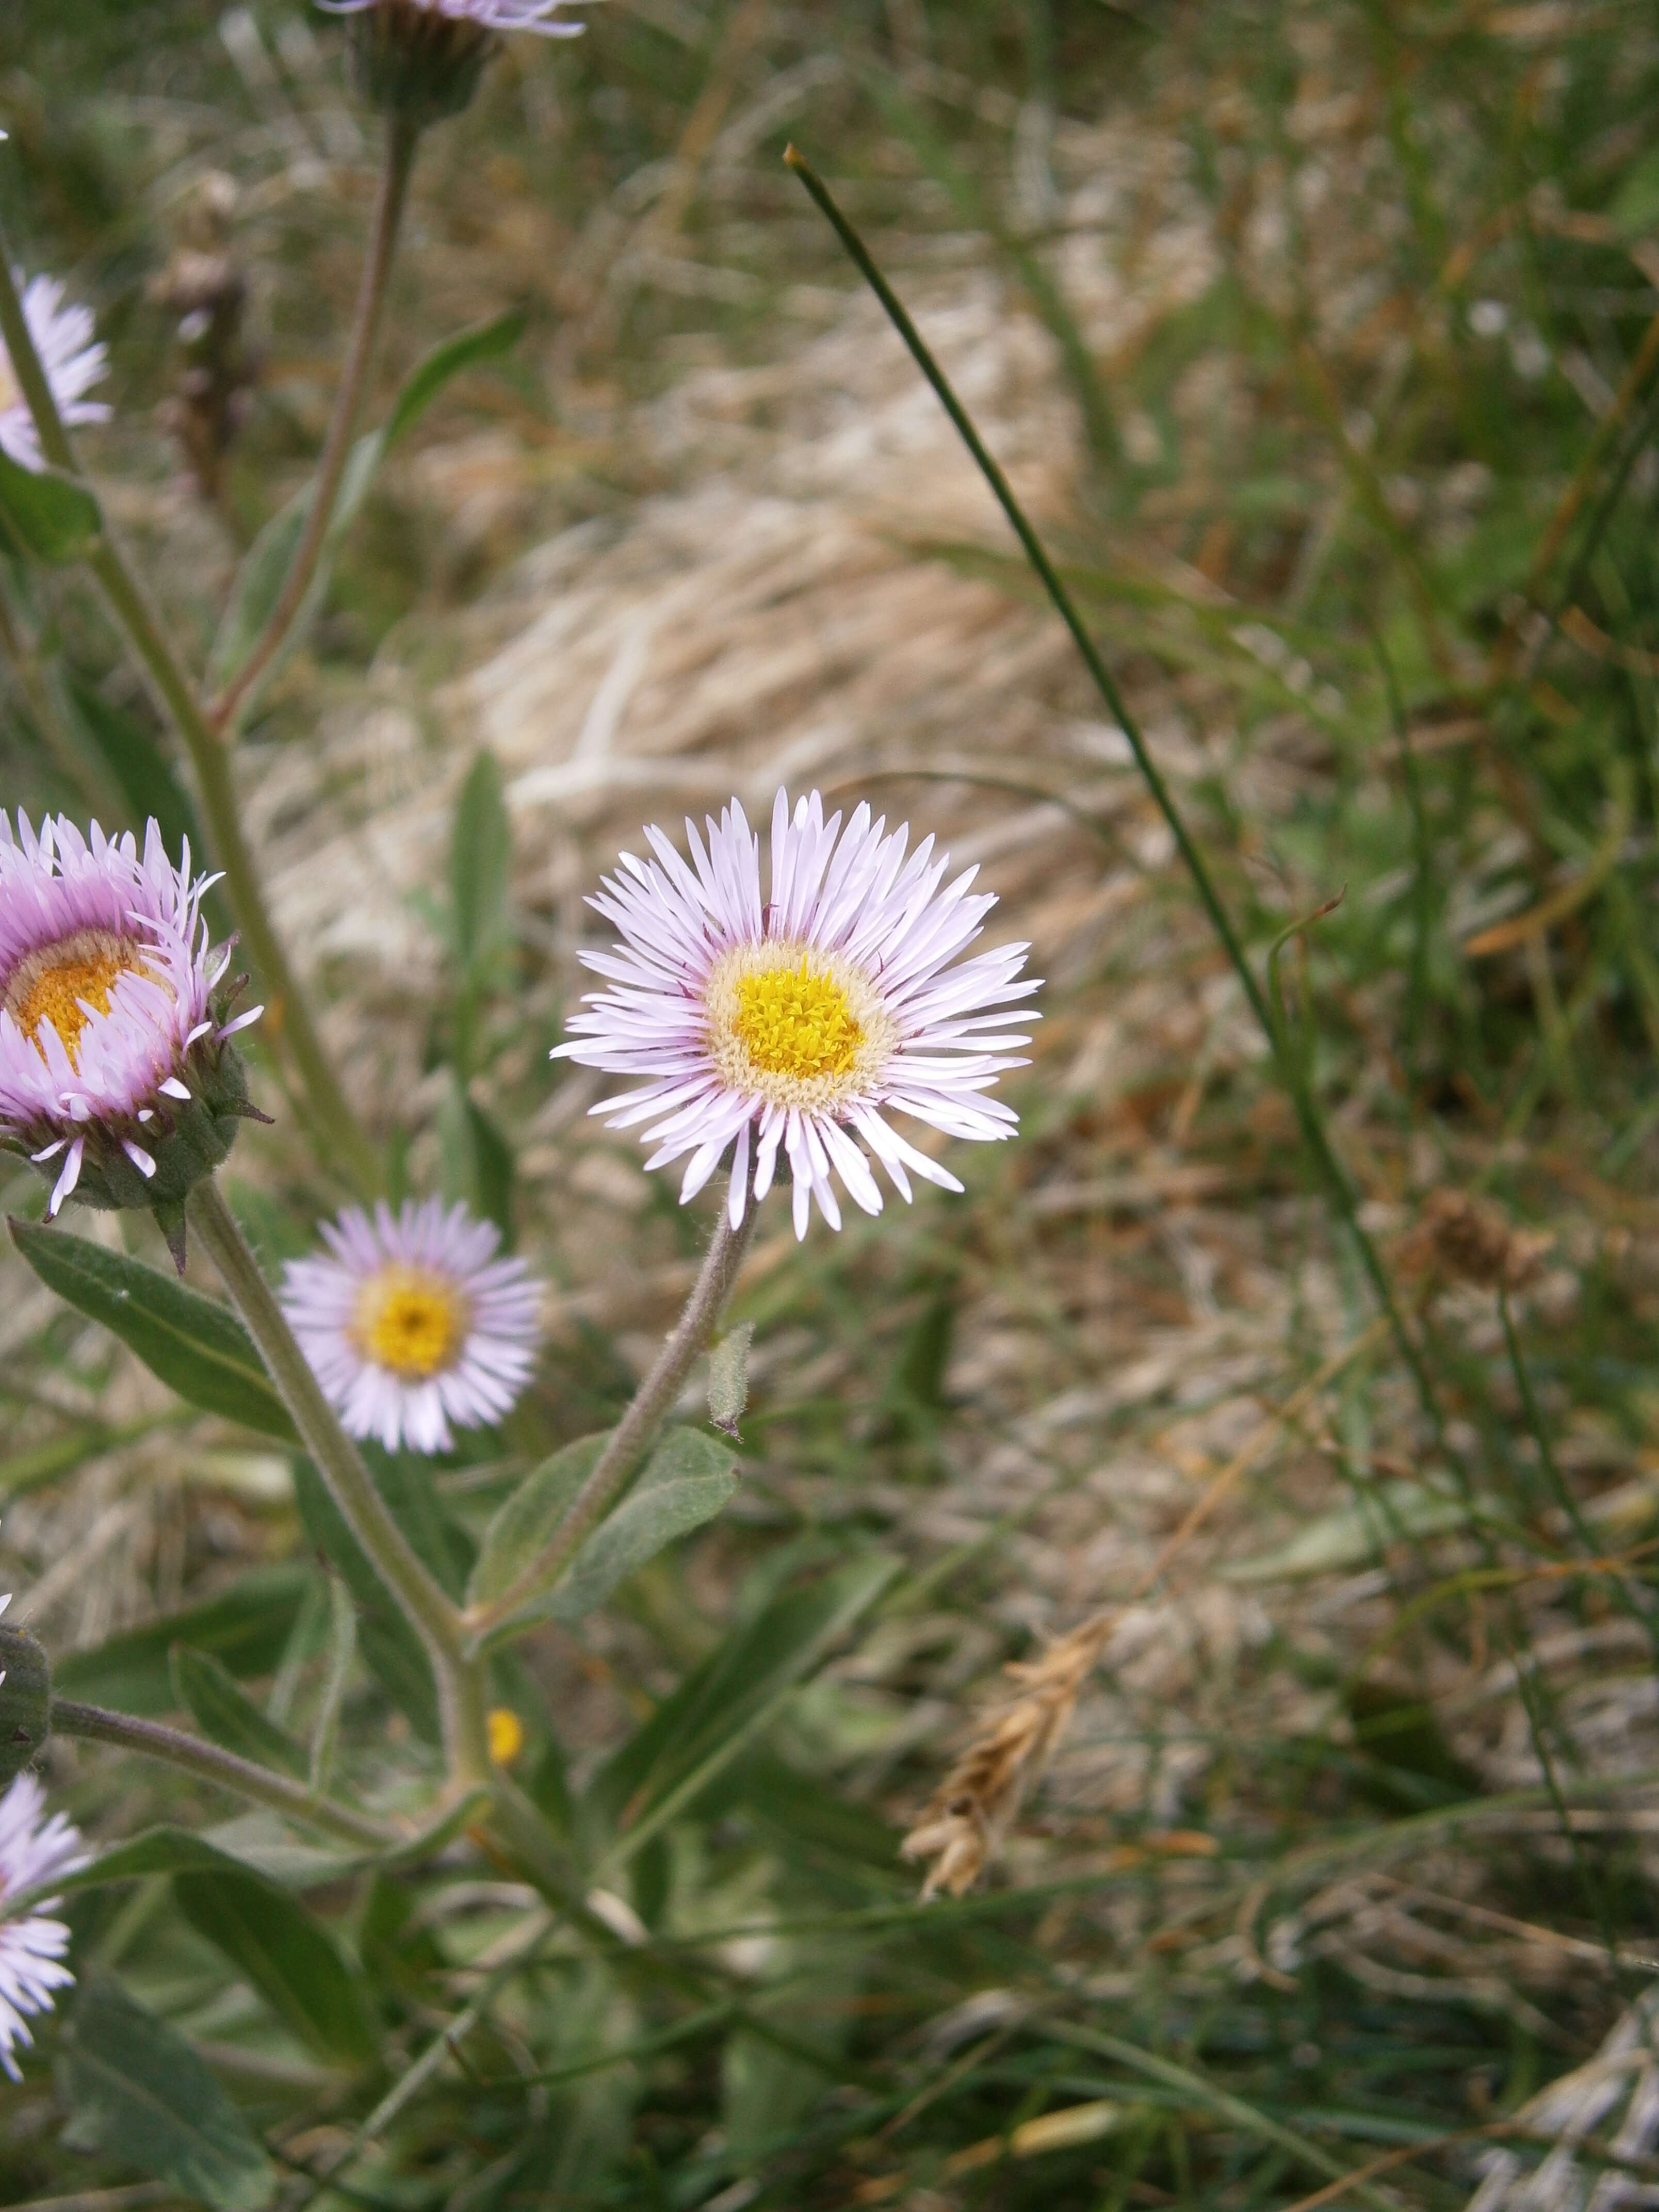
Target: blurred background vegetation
{"type": "Point", "coordinates": [1324, 339]}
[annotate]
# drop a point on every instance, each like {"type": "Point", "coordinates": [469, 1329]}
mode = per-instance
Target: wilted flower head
{"type": "Point", "coordinates": [114, 1071]}
{"type": "Point", "coordinates": [73, 363]}
{"type": "Point", "coordinates": [32, 1947]}
{"type": "Point", "coordinates": [805, 1019]}
{"type": "Point", "coordinates": [412, 1323]}
{"type": "Point", "coordinates": [422, 59]}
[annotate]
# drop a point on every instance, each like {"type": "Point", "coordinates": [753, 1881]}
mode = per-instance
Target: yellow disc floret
{"type": "Point", "coordinates": [796, 1025]}
{"type": "Point", "coordinates": [411, 1321]}
{"type": "Point", "coordinates": [57, 983]}
{"type": "Point", "coordinates": [506, 1734]}
{"type": "Point", "coordinates": [796, 1021]}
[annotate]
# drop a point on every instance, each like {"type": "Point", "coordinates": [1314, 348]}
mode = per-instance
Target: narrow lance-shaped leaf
{"type": "Point", "coordinates": [53, 517]}
{"type": "Point", "coordinates": [525, 1522]}
{"type": "Point", "coordinates": [265, 565]}
{"type": "Point", "coordinates": [275, 1944]}
{"type": "Point", "coordinates": [720, 1708]}
{"type": "Point", "coordinates": [246, 1626]}
{"type": "Point", "coordinates": [208, 1692]}
{"type": "Point", "coordinates": [195, 1345]}
{"type": "Point", "coordinates": [479, 854]}
{"type": "Point", "coordinates": [134, 2089]}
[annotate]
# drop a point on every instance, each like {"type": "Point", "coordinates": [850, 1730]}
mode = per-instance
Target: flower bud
{"type": "Point", "coordinates": [25, 1700]}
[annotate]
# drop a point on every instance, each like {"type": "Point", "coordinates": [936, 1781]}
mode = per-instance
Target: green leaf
{"type": "Point", "coordinates": [689, 1479]}
{"type": "Point", "coordinates": [266, 563]}
{"type": "Point", "coordinates": [480, 852]}
{"type": "Point", "coordinates": [135, 2090]}
{"type": "Point", "coordinates": [196, 1345]}
{"type": "Point", "coordinates": [247, 1626]}
{"type": "Point", "coordinates": [1355, 1534]}
{"type": "Point", "coordinates": [276, 1946]}
{"type": "Point", "coordinates": [157, 1850]}
{"type": "Point", "coordinates": [391, 1651]}
{"type": "Point", "coordinates": [208, 1692]}
{"type": "Point", "coordinates": [720, 1708]}
{"type": "Point", "coordinates": [479, 341]}
{"type": "Point", "coordinates": [526, 1521]}
{"type": "Point", "coordinates": [404, 1479]}
{"type": "Point", "coordinates": [728, 1377]}
{"type": "Point", "coordinates": [54, 517]}
{"type": "Point", "coordinates": [477, 1160]}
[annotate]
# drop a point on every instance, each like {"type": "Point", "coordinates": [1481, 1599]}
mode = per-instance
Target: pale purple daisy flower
{"type": "Point", "coordinates": [804, 1020]}
{"type": "Point", "coordinates": [63, 338]}
{"type": "Point", "coordinates": [32, 1947]}
{"type": "Point", "coordinates": [111, 1045]}
{"type": "Point", "coordinates": [413, 1323]}
{"type": "Point", "coordinates": [536, 16]}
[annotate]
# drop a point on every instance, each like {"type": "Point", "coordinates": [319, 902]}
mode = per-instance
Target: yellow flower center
{"type": "Point", "coordinates": [794, 1025]}
{"type": "Point", "coordinates": [794, 1021]}
{"type": "Point", "coordinates": [56, 983]}
{"type": "Point", "coordinates": [409, 1321]}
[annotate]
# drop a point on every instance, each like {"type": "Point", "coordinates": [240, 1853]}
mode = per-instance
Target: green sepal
{"type": "Point", "coordinates": [412, 62]}
{"type": "Point", "coordinates": [25, 1699]}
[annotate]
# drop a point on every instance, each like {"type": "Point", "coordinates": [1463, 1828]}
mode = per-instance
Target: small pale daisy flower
{"type": "Point", "coordinates": [422, 59]}
{"type": "Point", "coordinates": [803, 1021]}
{"type": "Point", "coordinates": [31, 1945]}
{"type": "Point", "coordinates": [115, 1077]}
{"type": "Point", "coordinates": [73, 363]}
{"type": "Point", "coordinates": [537, 16]}
{"type": "Point", "coordinates": [410, 1323]}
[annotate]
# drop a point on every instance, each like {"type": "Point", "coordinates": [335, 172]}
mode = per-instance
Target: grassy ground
{"type": "Point", "coordinates": [1322, 341]}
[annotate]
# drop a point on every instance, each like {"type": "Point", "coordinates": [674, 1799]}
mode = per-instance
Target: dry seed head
{"type": "Point", "coordinates": [974, 1806]}
{"type": "Point", "coordinates": [1458, 1239]}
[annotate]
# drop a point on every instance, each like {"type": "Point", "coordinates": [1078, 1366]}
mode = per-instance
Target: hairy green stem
{"type": "Point", "coordinates": [289, 1018]}
{"type": "Point", "coordinates": [648, 1408]}
{"type": "Point", "coordinates": [439, 1627]}
{"type": "Point", "coordinates": [1312, 1127]}
{"type": "Point", "coordinates": [209, 1762]}
{"type": "Point", "coordinates": [401, 137]}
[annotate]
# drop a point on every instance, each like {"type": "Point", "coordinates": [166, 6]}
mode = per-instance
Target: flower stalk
{"type": "Point", "coordinates": [438, 1625]}
{"type": "Point", "coordinates": [402, 135]}
{"type": "Point", "coordinates": [210, 1762]}
{"type": "Point", "coordinates": [289, 1016]}
{"type": "Point", "coordinates": [633, 1436]}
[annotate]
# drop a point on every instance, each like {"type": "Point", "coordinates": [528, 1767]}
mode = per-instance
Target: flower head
{"type": "Point", "coordinates": [32, 1947]}
{"type": "Point", "coordinates": [63, 338]}
{"type": "Point", "coordinates": [114, 1071]}
{"type": "Point", "coordinates": [411, 1323]}
{"type": "Point", "coordinates": [422, 59]}
{"type": "Point", "coordinates": [803, 1021]}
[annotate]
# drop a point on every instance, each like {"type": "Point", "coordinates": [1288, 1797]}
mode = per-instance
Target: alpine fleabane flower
{"type": "Point", "coordinates": [804, 1020]}
{"type": "Point", "coordinates": [422, 59]}
{"type": "Point", "coordinates": [63, 338]}
{"type": "Point", "coordinates": [31, 1945]}
{"type": "Point", "coordinates": [116, 1075]}
{"type": "Point", "coordinates": [410, 1323]}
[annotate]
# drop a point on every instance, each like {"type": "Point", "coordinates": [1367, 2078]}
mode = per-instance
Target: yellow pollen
{"type": "Point", "coordinates": [409, 1321]}
{"type": "Point", "coordinates": [50, 985]}
{"type": "Point", "coordinates": [794, 1022]}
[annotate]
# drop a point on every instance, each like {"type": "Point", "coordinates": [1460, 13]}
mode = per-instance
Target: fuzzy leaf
{"type": "Point", "coordinates": [54, 517]}
{"type": "Point", "coordinates": [688, 1481]}
{"type": "Point", "coordinates": [724, 1704]}
{"type": "Point", "coordinates": [275, 1944]}
{"type": "Point", "coordinates": [195, 1345]}
{"type": "Point", "coordinates": [208, 1692]}
{"type": "Point", "coordinates": [246, 1626]}
{"type": "Point", "coordinates": [135, 2088]}
{"type": "Point", "coordinates": [526, 1521]}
